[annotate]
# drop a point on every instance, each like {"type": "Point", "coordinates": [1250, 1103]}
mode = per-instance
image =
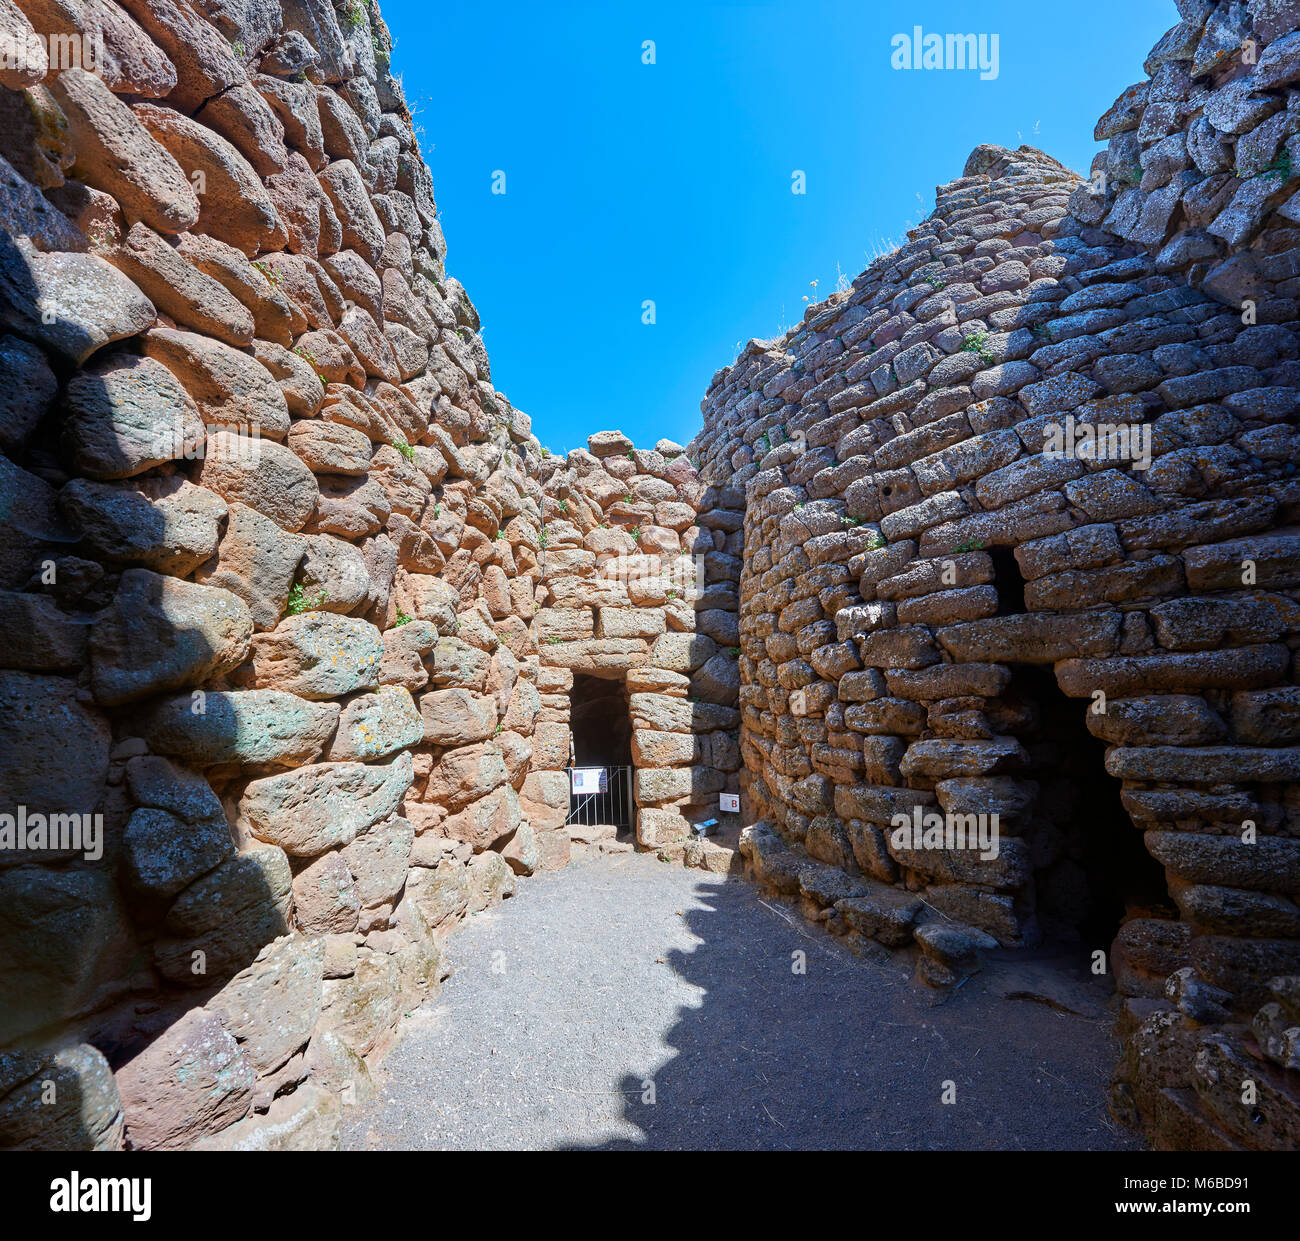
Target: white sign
{"type": "Point", "coordinates": [729, 801]}
{"type": "Point", "coordinates": [590, 780]}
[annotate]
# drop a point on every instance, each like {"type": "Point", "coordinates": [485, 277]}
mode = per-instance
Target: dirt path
{"type": "Point", "coordinates": [571, 999]}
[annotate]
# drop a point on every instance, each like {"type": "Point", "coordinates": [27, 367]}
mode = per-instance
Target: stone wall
{"type": "Point", "coordinates": [639, 582]}
{"type": "Point", "coordinates": [921, 555]}
{"type": "Point", "coordinates": [269, 554]}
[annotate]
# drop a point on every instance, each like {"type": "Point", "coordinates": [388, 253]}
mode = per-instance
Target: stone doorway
{"type": "Point", "coordinates": [1092, 871]}
{"type": "Point", "coordinates": [601, 728]}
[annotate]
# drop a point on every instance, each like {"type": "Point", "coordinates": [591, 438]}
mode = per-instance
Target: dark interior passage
{"type": "Point", "coordinates": [1092, 868]}
{"type": "Point", "coordinates": [601, 723]}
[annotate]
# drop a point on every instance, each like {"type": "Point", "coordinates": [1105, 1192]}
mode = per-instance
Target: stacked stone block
{"type": "Point", "coordinates": [268, 561]}
{"type": "Point", "coordinates": [893, 453]}
{"type": "Point", "coordinates": [639, 583]}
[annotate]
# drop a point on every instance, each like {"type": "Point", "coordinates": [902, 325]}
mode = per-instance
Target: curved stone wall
{"type": "Point", "coordinates": [268, 566]}
{"type": "Point", "coordinates": [931, 524]}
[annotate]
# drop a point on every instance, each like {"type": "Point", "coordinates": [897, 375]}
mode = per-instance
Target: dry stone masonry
{"type": "Point", "coordinates": [269, 555]}
{"type": "Point", "coordinates": [1001, 538]}
{"type": "Point", "coordinates": [1046, 451]}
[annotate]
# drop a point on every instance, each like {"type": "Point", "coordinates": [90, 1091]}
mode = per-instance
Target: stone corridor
{"type": "Point", "coordinates": [594, 981]}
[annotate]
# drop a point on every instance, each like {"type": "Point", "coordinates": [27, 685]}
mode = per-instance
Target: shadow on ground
{"type": "Point", "coordinates": [624, 1004]}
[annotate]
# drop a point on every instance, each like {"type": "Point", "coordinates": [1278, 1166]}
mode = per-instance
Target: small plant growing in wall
{"type": "Point", "coordinates": [971, 545]}
{"type": "Point", "coordinates": [401, 619]}
{"type": "Point", "coordinates": [546, 452]}
{"type": "Point", "coordinates": [354, 13]}
{"type": "Point", "coordinates": [851, 521]}
{"type": "Point", "coordinates": [875, 541]}
{"type": "Point", "coordinates": [1281, 167]}
{"type": "Point", "coordinates": [627, 499]}
{"type": "Point", "coordinates": [636, 533]}
{"type": "Point", "coordinates": [299, 601]}
{"type": "Point", "coordinates": [541, 537]}
{"type": "Point", "coordinates": [977, 343]}
{"type": "Point", "coordinates": [405, 449]}
{"type": "Point", "coordinates": [734, 652]}
{"type": "Point", "coordinates": [563, 506]}
{"type": "Point", "coordinates": [306, 356]}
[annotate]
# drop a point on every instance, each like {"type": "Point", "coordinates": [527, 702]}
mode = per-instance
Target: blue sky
{"type": "Point", "coordinates": [671, 182]}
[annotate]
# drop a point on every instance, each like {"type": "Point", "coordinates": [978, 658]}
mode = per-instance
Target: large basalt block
{"type": "Point", "coordinates": [234, 206]}
{"type": "Point", "coordinates": [164, 524]}
{"type": "Point", "coordinates": [251, 729]}
{"type": "Point", "coordinates": [65, 947]}
{"type": "Point", "coordinates": [457, 717]}
{"type": "Point", "coordinates": [162, 633]}
{"type": "Point", "coordinates": [486, 823]}
{"type": "Point", "coordinates": [375, 724]}
{"type": "Point", "coordinates": [362, 1009]}
{"type": "Point", "coordinates": [219, 924]}
{"type": "Point", "coordinates": [271, 1007]}
{"type": "Point", "coordinates": [56, 748]}
{"type": "Point", "coordinates": [230, 388]}
{"type": "Point", "coordinates": [61, 1101]}
{"type": "Point", "coordinates": [126, 415]}
{"type": "Point", "coordinates": [262, 474]}
{"type": "Point", "coordinates": [324, 806]}
{"type": "Point", "coordinates": [317, 655]}
{"type": "Point", "coordinates": [115, 153]}
{"type": "Point", "coordinates": [1032, 639]}
{"type": "Point", "coordinates": [1247, 667]}
{"type": "Point", "coordinates": [191, 1082]}
{"type": "Point", "coordinates": [378, 860]}
{"type": "Point", "coordinates": [465, 775]}
{"type": "Point", "coordinates": [1270, 864]}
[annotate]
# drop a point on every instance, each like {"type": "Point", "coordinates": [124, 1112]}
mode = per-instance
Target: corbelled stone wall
{"type": "Point", "coordinates": [921, 553]}
{"type": "Point", "coordinates": [269, 557]}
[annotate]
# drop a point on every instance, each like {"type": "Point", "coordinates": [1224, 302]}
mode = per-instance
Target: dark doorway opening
{"type": "Point", "coordinates": [1009, 581]}
{"type": "Point", "coordinates": [601, 724]}
{"type": "Point", "coordinates": [1092, 869]}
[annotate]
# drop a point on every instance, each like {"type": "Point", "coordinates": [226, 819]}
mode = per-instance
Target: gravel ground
{"type": "Point", "coordinates": [597, 981]}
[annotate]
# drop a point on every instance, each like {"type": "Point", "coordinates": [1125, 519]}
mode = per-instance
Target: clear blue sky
{"type": "Point", "coordinates": [672, 182]}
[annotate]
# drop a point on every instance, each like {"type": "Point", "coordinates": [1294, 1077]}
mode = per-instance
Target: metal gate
{"type": "Point", "coordinates": [612, 804]}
